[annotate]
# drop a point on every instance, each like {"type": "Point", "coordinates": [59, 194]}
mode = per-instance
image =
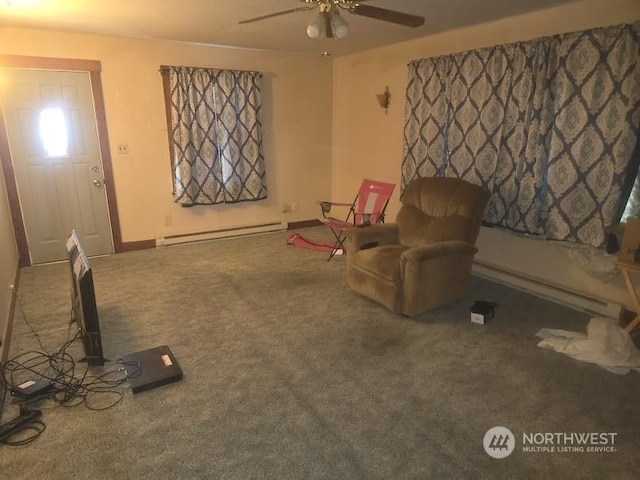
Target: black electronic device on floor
{"type": "Point", "coordinates": [32, 389]}
{"type": "Point", "coordinates": [83, 301]}
{"type": "Point", "coordinates": [151, 368]}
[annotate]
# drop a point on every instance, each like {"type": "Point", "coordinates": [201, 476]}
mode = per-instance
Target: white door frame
{"type": "Point", "coordinates": [93, 67]}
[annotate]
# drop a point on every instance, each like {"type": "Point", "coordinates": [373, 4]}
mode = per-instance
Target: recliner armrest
{"type": "Point", "coordinates": [379, 234]}
{"type": "Point", "coordinates": [437, 250]}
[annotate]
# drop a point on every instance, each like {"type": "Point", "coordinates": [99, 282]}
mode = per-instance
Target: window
{"type": "Point", "coordinates": [53, 132]}
{"type": "Point", "coordinates": [547, 126]}
{"type": "Point", "coordinates": [215, 135]}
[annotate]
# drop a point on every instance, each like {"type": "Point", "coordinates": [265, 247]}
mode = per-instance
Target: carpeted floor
{"type": "Point", "coordinates": [288, 374]}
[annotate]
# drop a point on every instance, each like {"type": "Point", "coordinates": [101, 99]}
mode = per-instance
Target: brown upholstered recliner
{"type": "Point", "coordinates": [423, 260]}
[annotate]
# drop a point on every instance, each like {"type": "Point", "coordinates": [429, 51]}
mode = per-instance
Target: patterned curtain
{"type": "Point", "coordinates": [548, 126]}
{"type": "Point", "coordinates": [216, 136]}
{"type": "Point", "coordinates": [426, 119]}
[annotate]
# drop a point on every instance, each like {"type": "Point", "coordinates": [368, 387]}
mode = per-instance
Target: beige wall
{"type": "Point", "coordinates": [8, 259]}
{"type": "Point", "coordinates": [296, 117]}
{"type": "Point", "coordinates": [368, 143]}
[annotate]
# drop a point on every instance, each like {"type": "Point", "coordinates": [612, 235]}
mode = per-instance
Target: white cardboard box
{"type": "Point", "coordinates": [630, 241]}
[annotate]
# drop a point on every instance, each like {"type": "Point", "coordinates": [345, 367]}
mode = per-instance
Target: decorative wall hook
{"type": "Point", "coordinates": [384, 99]}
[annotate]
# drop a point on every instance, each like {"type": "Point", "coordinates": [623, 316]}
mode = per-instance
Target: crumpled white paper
{"type": "Point", "coordinates": [606, 344]}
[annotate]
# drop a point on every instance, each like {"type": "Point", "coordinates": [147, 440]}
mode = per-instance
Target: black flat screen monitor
{"type": "Point", "coordinates": [83, 301]}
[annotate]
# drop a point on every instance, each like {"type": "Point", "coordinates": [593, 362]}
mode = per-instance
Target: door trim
{"type": "Point", "coordinates": [94, 68]}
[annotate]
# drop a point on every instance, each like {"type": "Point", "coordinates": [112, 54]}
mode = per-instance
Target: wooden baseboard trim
{"type": "Point", "coordinates": [139, 245]}
{"type": "Point", "coordinates": [8, 328]}
{"type": "Point", "coordinates": [304, 224]}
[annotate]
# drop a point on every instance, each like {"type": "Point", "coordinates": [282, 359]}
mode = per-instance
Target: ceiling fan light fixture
{"type": "Point", "coordinates": [317, 27]}
{"type": "Point", "coordinates": [339, 25]}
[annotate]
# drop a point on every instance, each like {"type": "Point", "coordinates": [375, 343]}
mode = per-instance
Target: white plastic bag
{"type": "Point", "coordinates": [605, 344]}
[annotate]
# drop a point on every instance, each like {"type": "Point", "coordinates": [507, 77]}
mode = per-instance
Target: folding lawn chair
{"type": "Point", "coordinates": [366, 209]}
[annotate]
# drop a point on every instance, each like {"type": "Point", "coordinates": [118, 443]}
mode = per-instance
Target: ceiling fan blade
{"type": "Point", "coordinates": [277, 14]}
{"type": "Point", "coordinates": [392, 16]}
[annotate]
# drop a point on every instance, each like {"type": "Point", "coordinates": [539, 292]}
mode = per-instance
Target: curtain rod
{"type": "Point", "coordinates": [165, 69]}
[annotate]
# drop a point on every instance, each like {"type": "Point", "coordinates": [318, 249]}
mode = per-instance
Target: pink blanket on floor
{"type": "Point", "coordinates": [299, 241]}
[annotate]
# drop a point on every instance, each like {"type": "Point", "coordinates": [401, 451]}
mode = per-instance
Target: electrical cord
{"type": "Point", "coordinates": [36, 425]}
{"type": "Point", "coordinates": [26, 321]}
{"type": "Point", "coordinates": [72, 386]}
{"type": "Point", "coordinates": [5, 389]}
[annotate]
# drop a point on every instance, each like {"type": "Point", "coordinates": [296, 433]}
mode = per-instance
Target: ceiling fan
{"type": "Point", "coordinates": [328, 22]}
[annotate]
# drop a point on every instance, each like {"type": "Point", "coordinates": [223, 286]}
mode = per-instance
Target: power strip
{"type": "Point", "coordinates": [15, 425]}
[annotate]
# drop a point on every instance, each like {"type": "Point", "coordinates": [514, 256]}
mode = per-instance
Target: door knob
{"type": "Point", "coordinates": [97, 183]}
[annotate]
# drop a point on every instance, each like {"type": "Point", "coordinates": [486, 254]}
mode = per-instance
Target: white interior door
{"type": "Point", "coordinates": [52, 132]}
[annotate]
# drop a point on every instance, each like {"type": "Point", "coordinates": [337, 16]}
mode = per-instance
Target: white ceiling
{"type": "Point", "coordinates": [215, 22]}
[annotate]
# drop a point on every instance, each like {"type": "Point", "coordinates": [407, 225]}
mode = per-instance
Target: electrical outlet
{"type": "Point", "coordinates": [294, 206]}
{"type": "Point", "coordinates": [123, 149]}
{"type": "Point", "coordinates": [286, 207]}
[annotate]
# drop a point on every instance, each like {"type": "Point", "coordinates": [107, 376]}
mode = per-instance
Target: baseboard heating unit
{"type": "Point", "coordinates": [222, 233]}
{"type": "Point", "coordinates": [547, 290]}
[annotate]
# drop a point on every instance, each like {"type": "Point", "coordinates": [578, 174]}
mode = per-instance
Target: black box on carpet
{"type": "Point", "coordinates": [482, 312]}
{"type": "Point", "coordinates": [151, 368]}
